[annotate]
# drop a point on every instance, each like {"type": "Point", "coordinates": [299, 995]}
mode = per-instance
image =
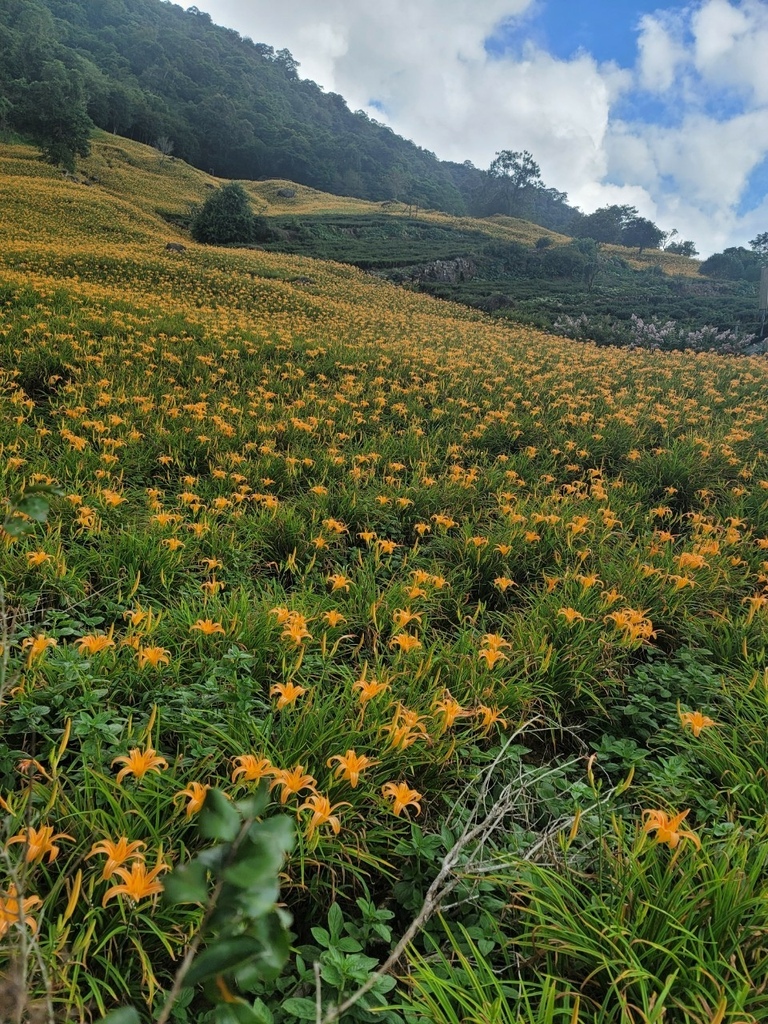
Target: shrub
{"type": "Point", "coordinates": [225, 218]}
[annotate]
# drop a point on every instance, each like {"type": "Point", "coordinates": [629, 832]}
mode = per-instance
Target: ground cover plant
{"type": "Point", "coordinates": [434, 602]}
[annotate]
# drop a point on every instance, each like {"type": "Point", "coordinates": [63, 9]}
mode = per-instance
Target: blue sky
{"type": "Point", "coordinates": [607, 29]}
{"type": "Point", "coordinates": [660, 105]}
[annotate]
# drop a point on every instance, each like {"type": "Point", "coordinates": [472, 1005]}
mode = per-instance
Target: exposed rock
{"type": "Point", "coordinates": [287, 193]}
{"type": "Point", "coordinates": [446, 271]}
{"type": "Point", "coordinates": [175, 247]}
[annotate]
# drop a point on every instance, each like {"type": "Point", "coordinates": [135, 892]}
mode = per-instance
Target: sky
{"type": "Point", "coordinates": [658, 104]}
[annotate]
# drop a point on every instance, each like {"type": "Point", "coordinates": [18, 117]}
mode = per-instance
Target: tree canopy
{"type": "Point", "coordinates": [759, 246]}
{"type": "Point", "coordinates": [619, 225]}
{"type": "Point", "coordinates": [225, 218]}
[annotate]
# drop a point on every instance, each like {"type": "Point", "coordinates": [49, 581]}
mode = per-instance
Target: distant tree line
{"type": "Point", "coordinates": [737, 263]}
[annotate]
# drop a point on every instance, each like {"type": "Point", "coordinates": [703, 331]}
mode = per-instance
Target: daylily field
{"type": "Point", "coordinates": [415, 578]}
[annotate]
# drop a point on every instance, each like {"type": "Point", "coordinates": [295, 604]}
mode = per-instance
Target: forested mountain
{"type": "Point", "coordinates": [153, 72]}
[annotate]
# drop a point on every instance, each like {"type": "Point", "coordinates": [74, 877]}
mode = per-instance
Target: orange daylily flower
{"type": "Point", "coordinates": [504, 583]}
{"type": "Point", "coordinates": [369, 688]}
{"type": "Point", "coordinates": [490, 657]}
{"type": "Point", "coordinates": [138, 762]}
{"type": "Point", "coordinates": [117, 853]}
{"type": "Point", "coordinates": [668, 829]}
{"type": "Point", "coordinates": [15, 911]}
{"type": "Point", "coordinates": [449, 710]}
{"type": "Point", "coordinates": [196, 793]}
{"type": "Point", "coordinates": [696, 720]}
{"type": "Point", "coordinates": [35, 558]}
{"type": "Point", "coordinates": [94, 643]}
{"type": "Point", "coordinates": [406, 642]}
{"type": "Point", "coordinates": [334, 526]}
{"type": "Point", "coordinates": [334, 618]}
{"type": "Point", "coordinates": [207, 627]}
{"type": "Point", "coordinates": [296, 629]}
{"type": "Point", "coordinates": [494, 642]}
{"type": "Point", "coordinates": [402, 796]}
{"type": "Point", "coordinates": [153, 656]}
{"type": "Point", "coordinates": [39, 842]}
{"type": "Point", "coordinates": [339, 581]}
{"type": "Point", "coordinates": [35, 646]}
{"type": "Point", "coordinates": [289, 693]}
{"type": "Point", "coordinates": [402, 616]}
{"type": "Point", "coordinates": [490, 717]}
{"type": "Point", "coordinates": [138, 882]}
{"type": "Point", "coordinates": [571, 615]}
{"type": "Point", "coordinates": [350, 766]}
{"type": "Point", "coordinates": [293, 780]}
{"type": "Point", "coordinates": [406, 728]}
{"type": "Point", "coordinates": [322, 813]}
{"type": "Point", "coordinates": [252, 768]}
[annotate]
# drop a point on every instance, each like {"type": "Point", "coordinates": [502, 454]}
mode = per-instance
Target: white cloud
{"type": "Point", "coordinates": [716, 28]}
{"type": "Point", "coordinates": [426, 64]}
{"type": "Point", "coordinates": [661, 51]}
{"type": "Point", "coordinates": [731, 46]}
{"type": "Point", "coordinates": [426, 67]}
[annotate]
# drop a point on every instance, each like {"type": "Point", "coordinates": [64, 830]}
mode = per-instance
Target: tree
{"type": "Point", "coordinates": [164, 147]}
{"type": "Point", "coordinates": [759, 245]}
{"type": "Point", "coordinates": [735, 264]}
{"type": "Point", "coordinates": [56, 116]}
{"type": "Point", "coordinates": [225, 218]}
{"type": "Point", "coordinates": [643, 233]}
{"type": "Point", "coordinates": [514, 172]}
{"type": "Point", "coordinates": [606, 224]}
{"type": "Point", "coordinates": [5, 111]}
{"type": "Point", "coordinates": [686, 248]}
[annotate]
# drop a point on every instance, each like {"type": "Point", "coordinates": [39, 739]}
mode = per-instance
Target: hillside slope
{"type": "Point", "coordinates": [401, 563]}
{"type": "Point", "coordinates": [513, 269]}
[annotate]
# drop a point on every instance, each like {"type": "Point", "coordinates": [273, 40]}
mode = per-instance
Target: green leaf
{"type": "Point", "coordinates": [265, 1015]}
{"type": "Point", "coordinates": [335, 921]}
{"type": "Point", "coordinates": [222, 955]}
{"type": "Point", "coordinates": [34, 506]}
{"type": "Point", "coordinates": [275, 952]}
{"type": "Point", "coordinates": [259, 900]}
{"type": "Point", "coordinates": [384, 984]}
{"type": "Point", "coordinates": [218, 818]}
{"type": "Point", "coordinates": [15, 526]}
{"type": "Point", "coordinates": [278, 832]}
{"type": "Point", "coordinates": [187, 884]}
{"type": "Point", "coordinates": [239, 1013]}
{"type": "Point", "coordinates": [321, 937]}
{"type": "Point", "coordinates": [333, 975]}
{"type": "Point", "coordinates": [125, 1015]}
{"type": "Point", "coordinates": [348, 945]}
{"type": "Point", "coordinates": [254, 805]}
{"type": "Point", "coordinates": [304, 1009]}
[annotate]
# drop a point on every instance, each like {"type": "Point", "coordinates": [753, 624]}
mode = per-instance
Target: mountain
{"type": "Point", "coordinates": [160, 75]}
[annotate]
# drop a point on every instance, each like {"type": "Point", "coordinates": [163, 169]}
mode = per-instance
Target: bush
{"type": "Point", "coordinates": [226, 219]}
